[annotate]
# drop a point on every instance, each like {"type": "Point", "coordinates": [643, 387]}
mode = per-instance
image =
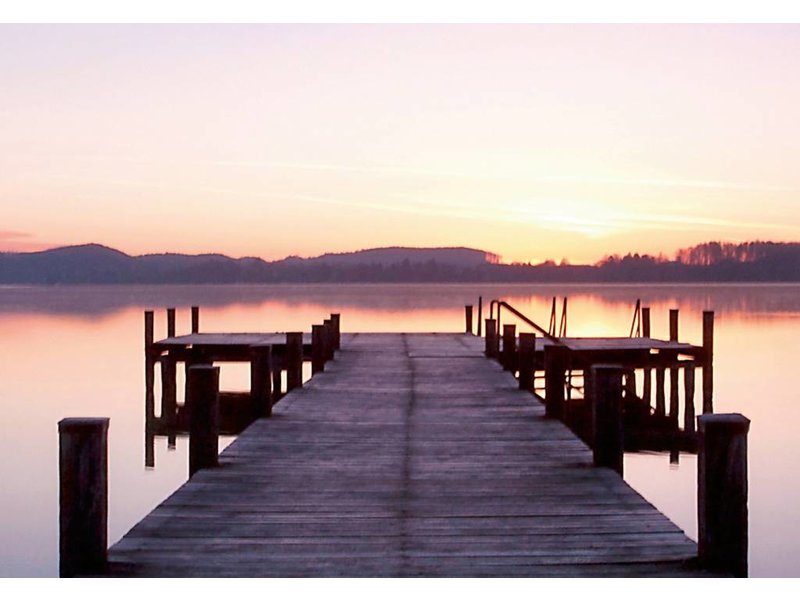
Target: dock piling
{"type": "Point", "coordinates": [203, 402]}
{"type": "Point", "coordinates": [509, 358]}
{"type": "Point", "coordinates": [607, 416]}
{"type": "Point", "coordinates": [480, 314]}
{"type": "Point", "coordinates": [708, 361]}
{"type": "Point", "coordinates": [468, 317]}
{"type": "Point", "coordinates": [647, 374]}
{"type": "Point", "coordinates": [195, 319]}
{"type": "Point", "coordinates": [83, 496]}
{"type": "Point", "coordinates": [317, 349]}
{"type": "Point", "coordinates": [294, 357]}
{"type": "Point", "coordinates": [336, 319]}
{"type": "Point", "coordinates": [722, 517]}
{"type": "Point", "coordinates": [261, 379]}
{"type": "Point", "coordinates": [688, 392]}
{"type": "Point", "coordinates": [555, 366]}
{"type": "Point", "coordinates": [660, 395]}
{"type": "Point", "coordinates": [491, 338]}
{"type": "Point", "coordinates": [527, 351]}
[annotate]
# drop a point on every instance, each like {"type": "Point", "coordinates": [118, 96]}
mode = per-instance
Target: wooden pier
{"type": "Point", "coordinates": [410, 455]}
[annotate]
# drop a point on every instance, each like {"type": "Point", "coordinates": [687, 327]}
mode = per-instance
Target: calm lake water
{"type": "Point", "coordinates": [77, 351]}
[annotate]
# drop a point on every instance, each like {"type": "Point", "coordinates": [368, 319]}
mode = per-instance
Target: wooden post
{"type": "Point", "coordinates": [722, 493]}
{"type": "Point", "coordinates": [261, 379]}
{"type": "Point", "coordinates": [647, 374]}
{"type": "Point", "coordinates": [149, 359]}
{"type": "Point", "coordinates": [688, 392]}
{"type": "Point", "coordinates": [337, 332]}
{"type": "Point", "coordinates": [83, 496]}
{"type": "Point", "coordinates": [555, 366]}
{"type": "Point", "coordinates": [203, 402]}
{"type": "Point", "coordinates": [195, 319]}
{"type": "Point", "coordinates": [317, 349]}
{"type": "Point", "coordinates": [468, 317]}
{"type": "Point", "coordinates": [170, 322]}
{"type": "Point", "coordinates": [329, 335]}
{"type": "Point", "coordinates": [277, 380]}
{"type": "Point", "coordinates": [480, 314]}
{"type": "Point", "coordinates": [660, 395]}
{"type": "Point", "coordinates": [673, 324]}
{"type": "Point", "coordinates": [294, 358]}
{"type": "Point", "coordinates": [149, 390]}
{"type": "Point", "coordinates": [491, 337]}
{"type": "Point", "coordinates": [673, 371]}
{"type": "Point", "coordinates": [169, 389]}
{"type": "Point", "coordinates": [673, 392]}
{"type": "Point", "coordinates": [527, 353]}
{"type": "Point", "coordinates": [509, 361]}
{"type": "Point", "coordinates": [630, 385]}
{"type": "Point", "coordinates": [708, 361]}
{"type": "Point", "coordinates": [607, 416]}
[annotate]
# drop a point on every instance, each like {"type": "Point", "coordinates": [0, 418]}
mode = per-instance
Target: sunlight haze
{"type": "Point", "coordinates": [532, 142]}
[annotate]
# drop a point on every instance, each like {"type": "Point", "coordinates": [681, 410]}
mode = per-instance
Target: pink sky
{"type": "Point", "coordinates": [532, 142]}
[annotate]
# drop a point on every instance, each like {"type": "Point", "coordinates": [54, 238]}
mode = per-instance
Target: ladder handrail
{"type": "Point", "coordinates": [503, 304]}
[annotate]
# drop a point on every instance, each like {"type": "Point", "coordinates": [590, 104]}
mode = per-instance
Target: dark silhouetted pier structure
{"type": "Point", "coordinates": [414, 455]}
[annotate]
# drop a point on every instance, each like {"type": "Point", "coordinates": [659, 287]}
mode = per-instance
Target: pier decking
{"type": "Point", "coordinates": [410, 455]}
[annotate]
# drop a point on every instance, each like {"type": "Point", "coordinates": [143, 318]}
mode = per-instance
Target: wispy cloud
{"type": "Point", "coordinates": [488, 173]}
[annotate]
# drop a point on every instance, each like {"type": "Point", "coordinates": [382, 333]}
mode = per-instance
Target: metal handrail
{"type": "Point", "coordinates": [503, 304]}
{"type": "Point", "coordinates": [636, 324]}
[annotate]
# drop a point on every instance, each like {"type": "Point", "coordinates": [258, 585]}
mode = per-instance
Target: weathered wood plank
{"type": "Point", "coordinates": [410, 455]}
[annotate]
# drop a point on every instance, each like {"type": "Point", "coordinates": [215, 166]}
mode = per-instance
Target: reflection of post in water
{"type": "Point", "coordinates": [149, 393]}
{"type": "Point", "coordinates": [708, 361]}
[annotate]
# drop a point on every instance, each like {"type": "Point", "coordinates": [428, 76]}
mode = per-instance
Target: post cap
{"type": "Point", "coordinates": [730, 422]}
{"type": "Point", "coordinates": [75, 424]}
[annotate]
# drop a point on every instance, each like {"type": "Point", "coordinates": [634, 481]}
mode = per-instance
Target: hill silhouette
{"type": "Point", "coordinates": [93, 263]}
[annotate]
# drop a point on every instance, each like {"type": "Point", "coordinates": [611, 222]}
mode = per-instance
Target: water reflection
{"type": "Point", "coordinates": [77, 351]}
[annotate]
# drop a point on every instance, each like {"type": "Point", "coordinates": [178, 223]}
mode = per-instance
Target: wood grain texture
{"type": "Point", "coordinates": [410, 455]}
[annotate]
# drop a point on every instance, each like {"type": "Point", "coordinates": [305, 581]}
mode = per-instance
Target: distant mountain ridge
{"type": "Point", "coordinates": [96, 264]}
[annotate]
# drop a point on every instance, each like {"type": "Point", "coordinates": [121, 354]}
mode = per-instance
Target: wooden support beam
{"type": "Point", "coordinates": [555, 366]}
{"type": "Point", "coordinates": [294, 358]}
{"type": "Point", "coordinates": [509, 361]}
{"type": "Point", "coordinates": [195, 319]}
{"type": "Point", "coordinates": [607, 426]}
{"type": "Point", "coordinates": [647, 374]}
{"type": "Point", "coordinates": [169, 389]}
{"type": "Point", "coordinates": [673, 394]}
{"type": "Point", "coordinates": [468, 318]}
{"type": "Point", "coordinates": [527, 352]}
{"type": "Point", "coordinates": [722, 515]}
{"type": "Point", "coordinates": [688, 394]}
{"type": "Point", "coordinates": [149, 388]}
{"type": "Point", "coordinates": [317, 349]}
{"type": "Point", "coordinates": [203, 402]}
{"type": "Point", "coordinates": [660, 392]}
{"type": "Point", "coordinates": [708, 361]}
{"type": "Point", "coordinates": [277, 381]}
{"type": "Point", "coordinates": [491, 338]}
{"type": "Point", "coordinates": [261, 379]}
{"type": "Point", "coordinates": [83, 496]}
{"type": "Point", "coordinates": [630, 385]}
